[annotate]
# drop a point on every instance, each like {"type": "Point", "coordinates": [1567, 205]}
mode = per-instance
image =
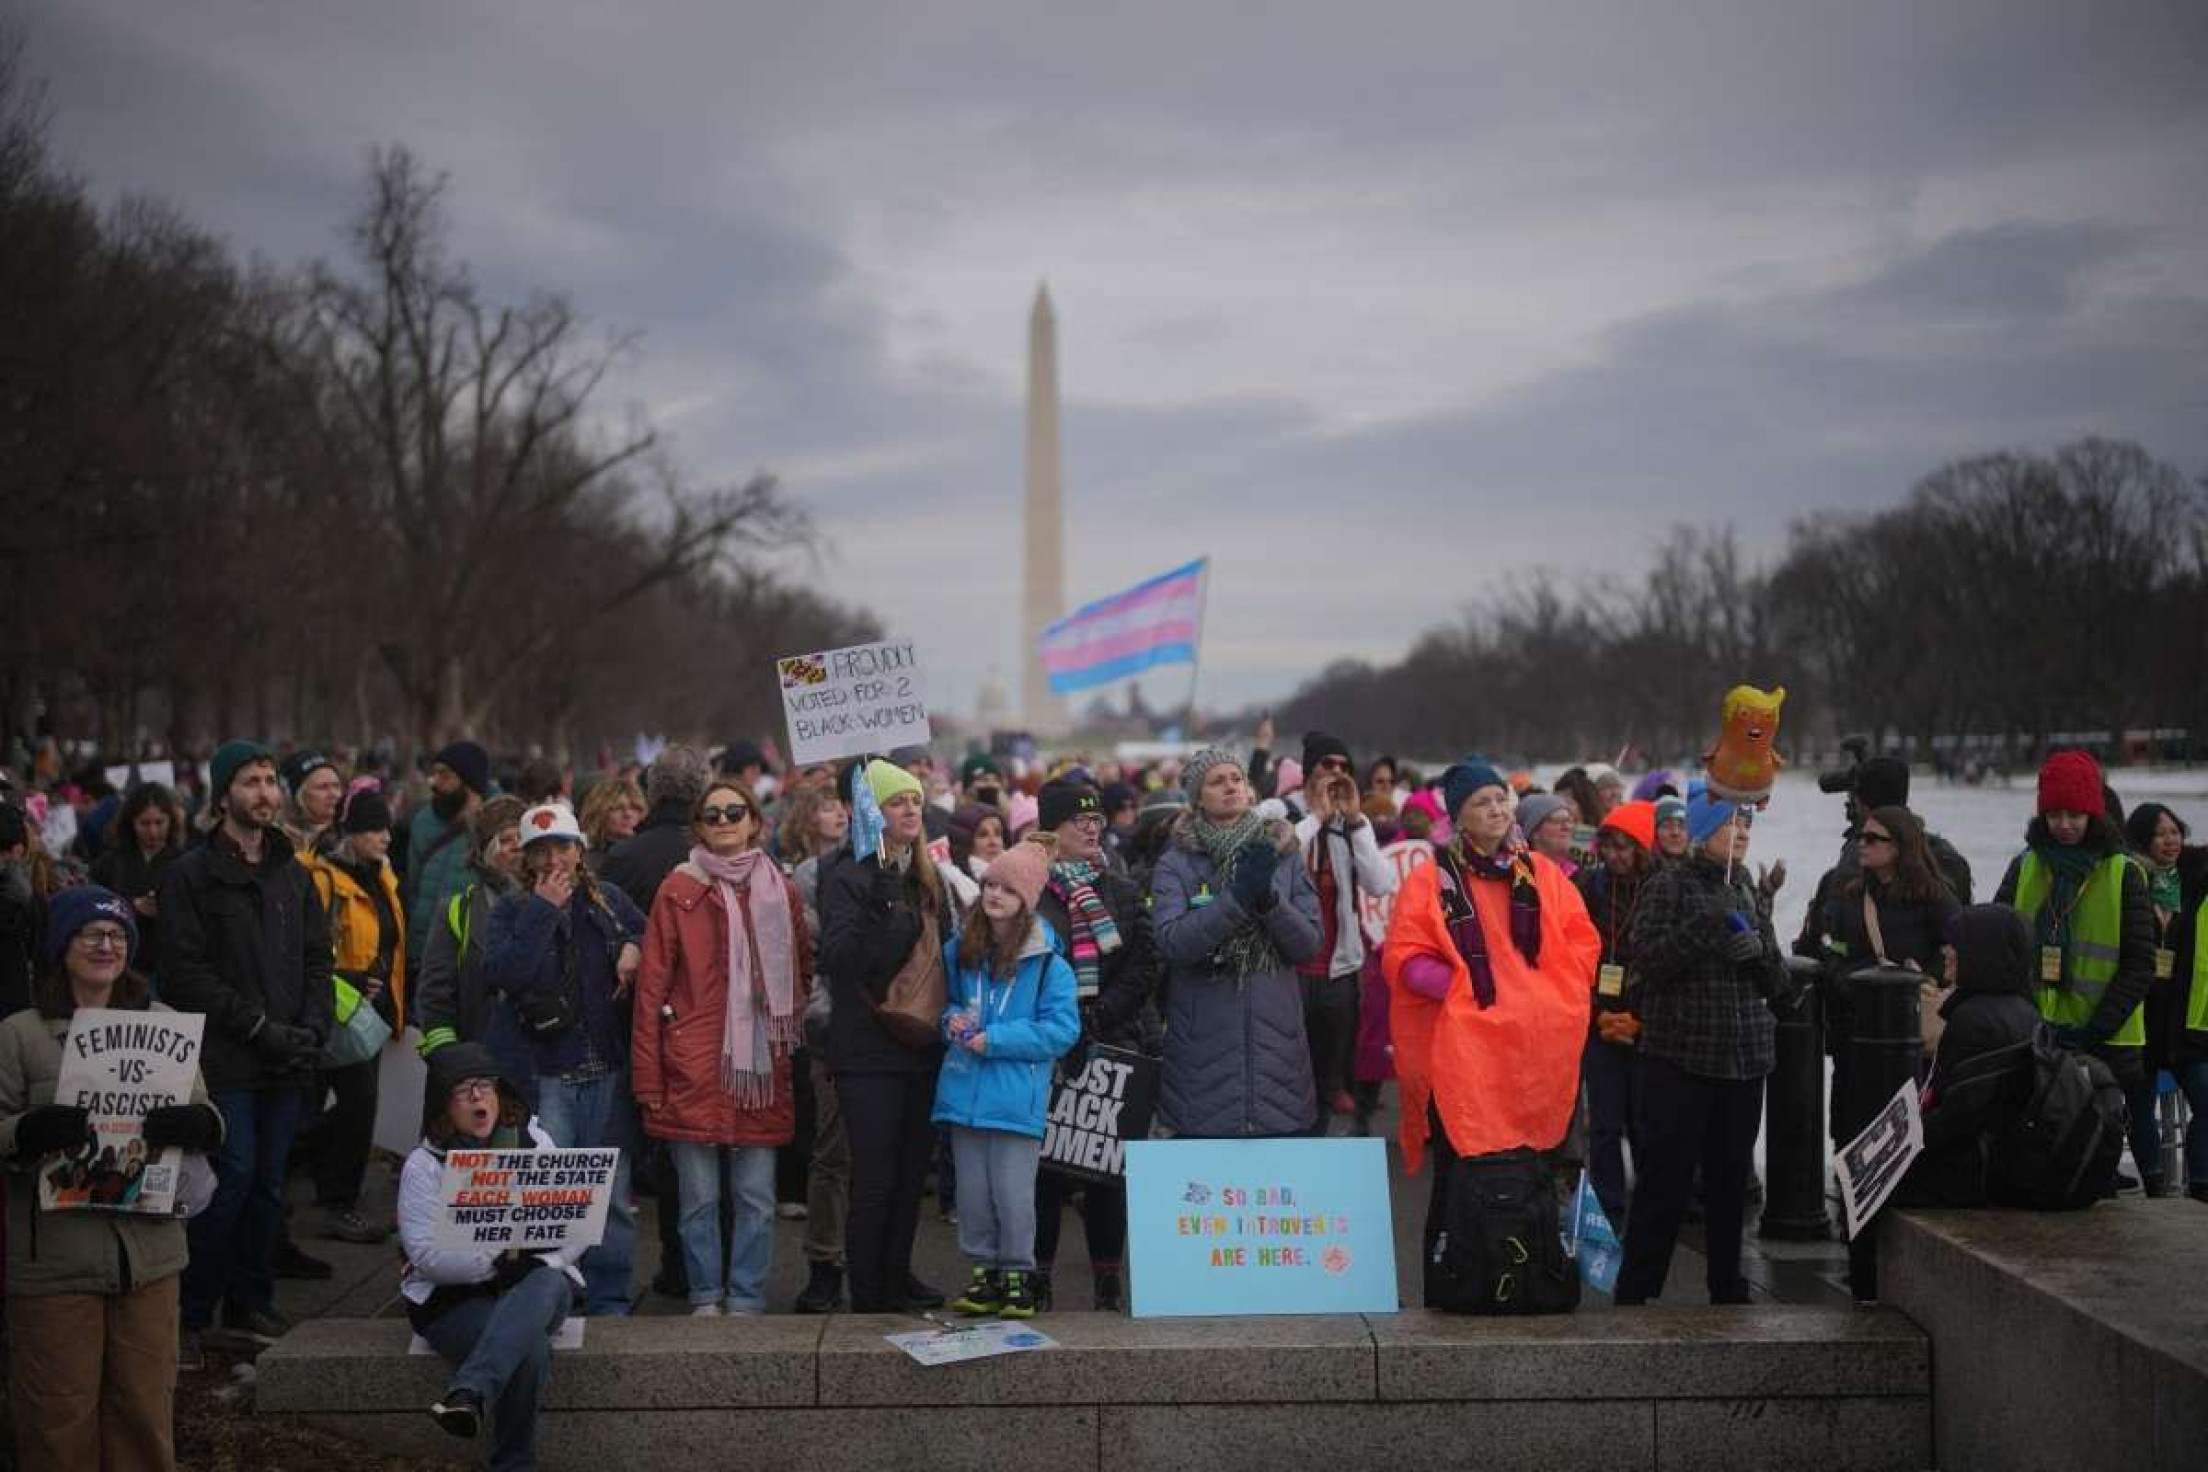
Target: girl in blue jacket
{"type": "Point", "coordinates": [1011, 1013]}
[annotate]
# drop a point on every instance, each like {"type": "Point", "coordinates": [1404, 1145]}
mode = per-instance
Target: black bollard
{"type": "Point", "coordinates": [1794, 1114]}
{"type": "Point", "coordinates": [1883, 1053]}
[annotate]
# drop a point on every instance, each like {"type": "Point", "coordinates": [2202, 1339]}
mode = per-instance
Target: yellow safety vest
{"type": "Point", "coordinates": [2196, 1003]}
{"type": "Point", "coordinates": [2092, 945]}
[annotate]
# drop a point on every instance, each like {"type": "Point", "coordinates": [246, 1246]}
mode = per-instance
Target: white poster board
{"type": "Point", "coordinates": [1375, 910]}
{"type": "Point", "coordinates": [1873, 1163]}
{"type": "Point", "coordinates": [977, 1342]}
{"type": "Point", "coordinates": [845, 702]}
{"type": "Point", "coordinates": [529, 1199]}
{"type": "Point", "coordinates": [122, 779]}
{"type": "Point", "coordinates": [121, 1065]}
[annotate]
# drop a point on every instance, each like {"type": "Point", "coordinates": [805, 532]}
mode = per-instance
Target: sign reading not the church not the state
{"type": "Point", "coordinates": [847, 702]}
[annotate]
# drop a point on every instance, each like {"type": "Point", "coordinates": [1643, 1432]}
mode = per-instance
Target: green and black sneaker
{"type": "Point", "coordinates": [984, 1294]}
{"type": "Point", "coordinates": [1020, 1300]}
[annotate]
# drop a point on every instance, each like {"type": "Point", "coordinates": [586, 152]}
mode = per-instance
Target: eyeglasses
{"type": "Point", "coordinates": [469, 1088]}
{"type": "Point", "coordinates": [1090, 821]}
{"type": "Point", "coordinates": [735, 812]}
{"type": "Point", "coordinates": [103, 938]}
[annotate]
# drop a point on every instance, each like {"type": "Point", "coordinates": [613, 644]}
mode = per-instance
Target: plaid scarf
{"type": "Point", "coordinates": [1459, 865]}
{"type": "Point", "coordinates": [1095, 932]}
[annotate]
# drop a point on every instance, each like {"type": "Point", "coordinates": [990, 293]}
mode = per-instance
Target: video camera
{"type": "Point", "coordinates": [1844, 778]}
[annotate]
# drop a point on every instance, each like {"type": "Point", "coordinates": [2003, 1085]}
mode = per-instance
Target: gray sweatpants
{"type": "Point", "coordinates": [996, 1196]}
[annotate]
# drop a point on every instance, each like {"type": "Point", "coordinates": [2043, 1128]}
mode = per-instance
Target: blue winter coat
{"type": "Point", "coordinates": [526, 951]}
{"type": "Point", "coordinates": [1031, 1020]}
{"type": "Point", "coordinates": [1236, 1059]}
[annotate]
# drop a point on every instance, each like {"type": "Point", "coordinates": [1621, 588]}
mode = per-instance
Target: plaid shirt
{"type": "Point", "coordinates": [1699, 1008]}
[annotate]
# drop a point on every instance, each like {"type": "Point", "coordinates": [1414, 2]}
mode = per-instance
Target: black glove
{"type": "Point", "coordinates": [52, 1128]}
{"type": "Point", "coordinates": [186, 1126]}
{"type": "Point", "coordinates": [282, 1043]}
{"type": "Point", "coordinates": [512, 1267]}
{"type": "Point", "coordinates": [1253, 874]}
{"type": "Point", "coordinates": [1744, 947]}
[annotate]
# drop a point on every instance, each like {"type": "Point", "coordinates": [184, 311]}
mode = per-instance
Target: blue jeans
{"type": "Point", "coordinates": [598, 1113]}
{"type": "Point", "coordinates": [502, 1350]}
{"type": "Point", "coordinates": [233, 1241]}
{"type": "Point", "coordinates": [2192, 1078]}
{"type": "Point", "coordinates": [750, 1246]}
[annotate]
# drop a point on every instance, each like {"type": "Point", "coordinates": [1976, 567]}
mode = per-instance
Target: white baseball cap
{"type": "Point", "coordinates": [551, 820]}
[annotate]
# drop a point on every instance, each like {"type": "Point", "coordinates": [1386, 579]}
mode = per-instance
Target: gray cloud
{"type": "Point", "coordinates": [1375, 305]}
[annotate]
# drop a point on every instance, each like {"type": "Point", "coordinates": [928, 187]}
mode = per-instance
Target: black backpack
{"type": "Point", "coordinates": [1501, 1248]}
{"type": "Point", "coordinates": [2060, 1152]}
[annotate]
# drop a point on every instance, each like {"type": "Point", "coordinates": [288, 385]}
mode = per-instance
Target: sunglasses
{"type": "Point", "coordinates": [735, 812]}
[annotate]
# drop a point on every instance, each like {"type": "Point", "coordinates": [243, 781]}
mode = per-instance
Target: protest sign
{"type": "Point", "coordinates": [120, 1066]}
{"type": "Point", "coordinates": [530, 1199]}
{"type": "Point", "coordinates": [1593, 1241]}
{"type": "Point", "coordinates": [1260, 1227]}
{"type": "Point", "coordinates": [1095, 1109]}
{"type": "Point", "coordinates": [123, 778]}
{"type": "Point", "coordinates": [962, 1342]}
{"type": "Point", "coordinates": [1873, 1163]}
{"type": "Point", "coordinates": [846, 702]}
{"type": "Point", "coordinates": [1374, 910]}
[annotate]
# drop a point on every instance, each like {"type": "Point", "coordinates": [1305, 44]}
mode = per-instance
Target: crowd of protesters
{"type": "Point", "coordinates": [802, 992]}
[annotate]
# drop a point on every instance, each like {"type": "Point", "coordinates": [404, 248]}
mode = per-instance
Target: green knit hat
{"type": "Point", "coordinates": [231, 758]}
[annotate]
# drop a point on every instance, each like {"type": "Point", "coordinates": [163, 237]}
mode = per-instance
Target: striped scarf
{"type": "Point", "coordinates": [1095, 932]}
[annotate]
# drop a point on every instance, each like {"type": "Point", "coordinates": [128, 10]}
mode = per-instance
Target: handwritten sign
{"type": "Point", "coordinates": [121, 1066]}
{"type": "Point", "coordinates": [1404, 855]}
{"type": "Point", "coordinates": [845, 702]}
{"type": "Point", "coordinates": [1095, 1110]}
{"type": "Point", "coordinates": [530, 1199]}
{"type": "Point", "coordinates": [1260, 1227]}
{"type": "Point", "coordinates": [962, 1342]}
{"type": "Point", "coordinates": [1873, 1163]}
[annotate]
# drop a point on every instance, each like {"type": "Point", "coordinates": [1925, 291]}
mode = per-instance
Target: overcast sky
{"type": "Point", "coordinates": [1373, 303]}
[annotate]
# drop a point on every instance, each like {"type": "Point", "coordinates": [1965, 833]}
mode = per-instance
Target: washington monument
{"type": "Point", "coordinates": [1043, 599]}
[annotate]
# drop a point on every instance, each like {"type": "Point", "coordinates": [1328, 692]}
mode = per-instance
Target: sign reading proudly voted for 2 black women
{"type": "Point", "coordinates": [1260, 1227]}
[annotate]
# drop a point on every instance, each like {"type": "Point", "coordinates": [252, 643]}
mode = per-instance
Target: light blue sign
{"type": "Point", "coordinates": [1260, 1227]}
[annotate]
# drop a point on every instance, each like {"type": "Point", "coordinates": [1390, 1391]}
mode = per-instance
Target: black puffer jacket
{"type": "Point", "coordinates": [640, 863]}
{"type": "Point", "coordinates": [1983, 1068]}
{"type": "Point", "coordinates": [1121, 1014]}
{"type": "Point", "coordinates": [869, 923]}
{"type": "Point", "coordinates": [243, 943]}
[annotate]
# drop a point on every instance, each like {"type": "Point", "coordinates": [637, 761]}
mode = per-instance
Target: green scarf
{"type": "Point", "coordinates": [1250, 950]}
{"type": "Point", "coordinates": [2070, 865]}
{"type": "Point", "coordinates": [2165, 888]}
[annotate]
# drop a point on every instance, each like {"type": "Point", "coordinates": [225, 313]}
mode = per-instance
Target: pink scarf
{"type": "Point", "coordinates": [761, 1022]}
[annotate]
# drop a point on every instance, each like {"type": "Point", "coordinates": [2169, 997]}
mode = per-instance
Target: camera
{"type": "Point", "coordinates": [1843, 779]}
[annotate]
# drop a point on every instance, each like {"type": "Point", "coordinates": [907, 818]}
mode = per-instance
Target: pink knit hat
{"type": "Point", "coordinates": [1024, 868]}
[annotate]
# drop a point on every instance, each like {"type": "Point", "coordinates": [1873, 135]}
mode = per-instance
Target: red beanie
{"type": "Point", "coordinates": [1636, 820]}
{"type": "Point", "coordinates": [2070, 782]}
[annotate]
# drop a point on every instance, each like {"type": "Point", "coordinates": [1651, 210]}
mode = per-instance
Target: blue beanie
{"type": "Point", "coordinates": [1465, 778]}
{"type": "Point", "coordinates": [1707, 814]}
{"type": "Point", "coordinates": [70, 910]}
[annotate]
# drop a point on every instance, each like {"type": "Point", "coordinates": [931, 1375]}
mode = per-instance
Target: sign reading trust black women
{"type": "Point", "coordinates": [1096, 1109]}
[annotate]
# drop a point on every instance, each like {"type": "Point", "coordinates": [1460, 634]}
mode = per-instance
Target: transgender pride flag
{"type": "Point", "coordinates": [1150, 624]}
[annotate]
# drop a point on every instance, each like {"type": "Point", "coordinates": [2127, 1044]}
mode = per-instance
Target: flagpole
{"type": "Point", "coordinates": [1196, 665]}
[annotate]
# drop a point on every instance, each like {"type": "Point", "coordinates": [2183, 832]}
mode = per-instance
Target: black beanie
{"type": "Point", "coordinates": [1317, 746]}
{"type": "Point", "coordinates": [1062, 800]}
{"type": "Point", "coordinates": [471, 763]}
{"type": "Point", "coordinates": [366, 811]}
{"type": "Point", "coordinates": [1883, 782]}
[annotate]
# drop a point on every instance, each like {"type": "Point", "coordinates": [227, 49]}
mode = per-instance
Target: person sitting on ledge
{"type": "Point", "coordinates": [491, 1315]}
{"type": "Point", "coordinates": [1984, 1063]}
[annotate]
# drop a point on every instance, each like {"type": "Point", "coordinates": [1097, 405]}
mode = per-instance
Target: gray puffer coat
{"type": "Point", "coordinates": [1236, 1062]}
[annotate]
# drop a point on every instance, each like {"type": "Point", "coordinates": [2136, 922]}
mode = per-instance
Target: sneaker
{"type": "Point", "coordinates": [984, 1293]}
{"type": "Point", "coordinates": [263, 1324]}
{"type": "Point", "coordinates": [919, 1295]}
{"type": "Point", "coordinates": [2159, 1188]}
{"type": "Point", "coordinates": [1019, 1296]}
{"type": "Point", "coordinates": [1109, 1294]}
{"type": "Point", "coordinates": [706, 1311]}
{"type": "Point", "coordinates": [191, 1355]}
{"type": "Point", "coordinates": [792, 1211]}
{"type": "Point", "coordinates": [459, 1412]}
{"type": "Point", "coordinates": [344, 1224]}
{"type": "Point", "coordinates": [290, 1262]}
{"type": "Point", "coordinates": [823, 1290]}
{"type": "Point", "coordinates": [2126, 1181]}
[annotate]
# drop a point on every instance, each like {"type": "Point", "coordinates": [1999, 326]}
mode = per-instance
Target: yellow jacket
{"type": "Point", "coordinates": [354, 940]}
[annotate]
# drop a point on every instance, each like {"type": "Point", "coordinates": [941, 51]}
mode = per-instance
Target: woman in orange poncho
{"type": "Point", "coordinates": [1491, 963]}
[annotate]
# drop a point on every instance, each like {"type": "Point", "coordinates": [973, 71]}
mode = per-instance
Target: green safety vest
{"type": "Point", "coordinates": [2196, 1003]}
{"type": "Point", "coordinates": [2092, 946]}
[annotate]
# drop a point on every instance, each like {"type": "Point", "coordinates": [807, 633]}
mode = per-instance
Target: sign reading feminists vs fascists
{"type": "Point", "coordinates": [533, 1200]}
{"type": "Point", "coordinates": [847, 702]}
{"type": "Point", "coordinates": [120, 1066]}
{"type": "Point", "coordinates": [1095, 1110]}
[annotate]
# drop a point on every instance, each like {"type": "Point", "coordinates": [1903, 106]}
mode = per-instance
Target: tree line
{"type": "Point", "coordinates": [2013, 600]}
{"type": "Point", "coordinates": [360, 502]}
